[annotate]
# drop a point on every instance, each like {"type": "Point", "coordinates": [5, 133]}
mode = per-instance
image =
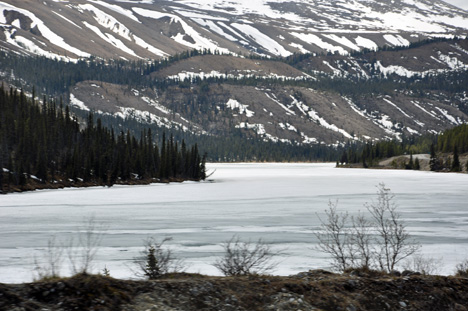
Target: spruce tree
{"type": "Point", "coordinates": [433, 162]}
{"type": "Point", "coordinates": [410, 165]}
{"type": "Point", "coordinates": [417, 165]}
{"type": "Point", "coordinates": [152, 270]}
{"type": "Point", "coordinates": [456, 161]}
{"type": "Point", "coordinates": [1, 172]}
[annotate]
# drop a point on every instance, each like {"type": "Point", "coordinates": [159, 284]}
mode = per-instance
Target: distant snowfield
{"type": "Point", "coordinates": [272, 27]}
{"type": "Point", "coordinates": [45, 31]}
{"type": "Point", "coordinates": [279, 203]}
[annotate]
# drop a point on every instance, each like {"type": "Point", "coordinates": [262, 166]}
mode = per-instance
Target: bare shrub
{"type": "Point", "coordinates": [53, 255]}
{"type": "Point", "coordinates": [334, 238]}
{"type": "Point", "coordinates": [461, 269]}
{"type": "Point", "coordinates": [395, 243]}
{"type": "Point", "coordinates": [380, 242]}
{"type": "Point", "coordinates": [362, 249]}
{"type": "Point", "coordinates": [157, 260]}
{"type": "Point", "coordinates": [82, 251]}
{"type": "Point", "coordinates": [423, 265]}
{"type": "Point", "coordinates": [246, 258]}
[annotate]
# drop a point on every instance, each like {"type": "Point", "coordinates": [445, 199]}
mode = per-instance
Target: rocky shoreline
{"type": "Point", "coordinates": [312, 290]}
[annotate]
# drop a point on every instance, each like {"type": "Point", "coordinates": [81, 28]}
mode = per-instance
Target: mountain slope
{"type": "Point", "coordinates": [154, 29]}
{"type": "Point", "coordinates": [217, 94]}
{"type": "Point", "coordinates": [354, 70]}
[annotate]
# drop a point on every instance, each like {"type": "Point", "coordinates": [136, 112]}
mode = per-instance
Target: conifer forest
{"type": "Point", "coordinates": [43, 144]}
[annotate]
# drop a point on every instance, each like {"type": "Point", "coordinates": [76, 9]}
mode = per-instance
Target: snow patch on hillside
{"type": "Point", "coordinates": [23, 43]}
{"type": "Point", "coordinates": [381, 120]}
{"type": "Point", "coordinates": [396, 40]}
{"type": "Point", "coordinates": [300, 47]}
{"type": "Point", "coordinates": [366, 43]}
{"type": "Point", "coordinates": [148, 117]}
{"type": "Point", "coordinates": [343, 41]}
{"type": "Point", "coordinates": [417, 104]}
{"type": "Point", "coordinates": [107, 21]}
{"type": "Point", "coordinates": [287, 126]}
{"type": "Point", "coordinates": [118, 9]}
{"type": "Point", "coordinates": [452, 62]}
{"type": "Point", "coordinates": [68, 20]}
{"type": "Point", "coordinates": [449, 116]}
{"type": "Point", "coordinates": [288, 111]}
{"type": "Point", "coordinates": [149, 47]}
{"type": "Point", "coordinates": [110, 39]}
{"type": "Point", "coordinates": [213, 26]}
{"type": "Point", "coordinates": [313, 115]}
{"type": "Point", "coordinates": [233, 31]}
{"type": "Point", "coordinates": [260, 130]}
{"type": "Point", "coordinates": [111, 23]}
{"type": "Point", "coordinates": [200, 41]}
{"type": "Point", "coordinates": [244, 7]}
{"type": "Point", "coordinates": [398, 108]}
{"type": "Point", "coordinates": [78, 103]}
{"type": "Point", "coordinates": [155, 104]}
{"type": "Point", "coordinates": [45, 31]}
{"type": "Point", "coordinates": [263, 40]}
{"type": "Point", "coordinates": [241, 74]}
{"type": "Point", "coordinates": [393, 69]}
{"type": "Point", "coordinates": [234, 104]}
{"type": "Point", "coordinates": [316, 40]}
{"type": "Point", "coordinates": [406, 21]}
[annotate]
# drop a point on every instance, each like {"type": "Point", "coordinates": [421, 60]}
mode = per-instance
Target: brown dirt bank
{"type": "Point", "coordinates": [313, 290]}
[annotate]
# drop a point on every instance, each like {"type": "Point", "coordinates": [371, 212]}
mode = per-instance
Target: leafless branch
{"type": "Point", "coordinates": [245, 258]}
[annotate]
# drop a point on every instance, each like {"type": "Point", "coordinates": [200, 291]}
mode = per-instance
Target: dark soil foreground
{"type": "Point", "coordinates": [313, 290]}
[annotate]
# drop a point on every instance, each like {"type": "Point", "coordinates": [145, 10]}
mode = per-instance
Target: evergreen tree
{"type": "Point", "coordinates": [417, 165]}
{"type": "Point", "coordinates": [433, 161]}
{"type": "Point", "coordinates": [456, 161]}
{"type": "Point", "coordinates": [152, 270]}
{"type": "Point", "coordinates": [1, 173]}
{"type": "Point", "coordinates": [410, 165]}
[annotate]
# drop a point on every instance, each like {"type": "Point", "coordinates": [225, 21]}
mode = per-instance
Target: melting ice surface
{"type": "Point", "coordinates": [279, 203]}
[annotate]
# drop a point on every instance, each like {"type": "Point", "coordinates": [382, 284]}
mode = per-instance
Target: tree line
{"type": "Point", "coordinates": [444, 150]}
{"type": "Point", "coordinates": [43, 143]}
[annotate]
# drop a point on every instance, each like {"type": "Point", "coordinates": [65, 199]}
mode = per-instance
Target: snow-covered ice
{"type": "Point", "coordinates": [279, 203]}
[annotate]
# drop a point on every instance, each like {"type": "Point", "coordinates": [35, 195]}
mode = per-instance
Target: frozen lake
{"type": "Point", "coordinates": [276, 202]}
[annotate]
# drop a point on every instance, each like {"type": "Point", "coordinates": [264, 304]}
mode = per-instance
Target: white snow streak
{"type": "Point", "coordinates": [288, 111]}
{"type": "Point", "coordinates": [110, 39]}
{"type": "Point", "coordinates": [399, 109]}
{"type": "Point", "coordinates": [45, 31]}
{"type": "Point", "coordinates": [117, 8]}
{"type": "Point", "coordinates": [77, 103]}
{"type": "Point", "coordinates": [200, 41]}
{"type": "Point", "coordinates": [266, 42]}
{"type": "Point", "coordinates": [314, 39]}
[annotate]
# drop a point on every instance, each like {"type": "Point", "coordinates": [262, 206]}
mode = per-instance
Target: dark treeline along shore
{"type": "Point", "coordinates": [42, 145]}
{"type": "Point", "coordinates": [444, 149]}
